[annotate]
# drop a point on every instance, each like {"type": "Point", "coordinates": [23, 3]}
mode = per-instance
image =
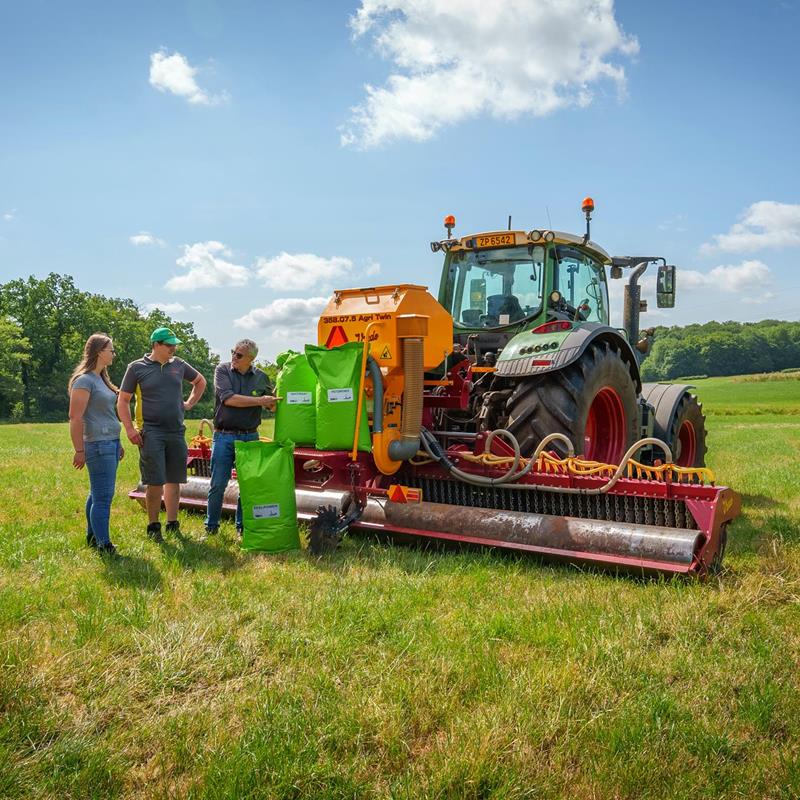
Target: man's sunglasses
{"type": "Point", "coordinates": [166, 344]}
{"type": "Point", "coordinates": [237, 354]}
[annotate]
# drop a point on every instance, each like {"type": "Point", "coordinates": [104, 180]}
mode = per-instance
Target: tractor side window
{"type": "Point", "coordinates": [493, 288]}
{"type": "Point", "coordinates": [582, 284]}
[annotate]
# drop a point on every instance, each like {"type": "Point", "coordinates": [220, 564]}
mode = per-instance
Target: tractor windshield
{"type": "Point", "coordinates": [493, 288]}
{"type": "Point", "coordinates": [582, 283]}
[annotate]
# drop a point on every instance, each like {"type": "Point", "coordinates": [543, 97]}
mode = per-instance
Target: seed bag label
{"type": "Point", "coordinates": [340, 395]}
{"type": "Point", "coordinates": [299, 398]}
{"type": "Point", "coordinates": [267, 511]}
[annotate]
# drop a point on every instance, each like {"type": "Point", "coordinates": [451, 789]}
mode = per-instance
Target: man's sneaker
{"type": "Point", "coordinates": [154, 532]}
{"type": "Point", "coordinates": [91, 541]}
{"type": "Point", "coordinates": [240, 532]}
{"type": "Point", "coordinates": [174, 527]}
{"type": "Point", "coordinates": [212, 530]}
{"type": "Point", "coordinates": [108, 550]}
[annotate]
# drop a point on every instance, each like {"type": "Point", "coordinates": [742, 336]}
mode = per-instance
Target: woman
{"type": "Point", "coordinates": [94, 428]}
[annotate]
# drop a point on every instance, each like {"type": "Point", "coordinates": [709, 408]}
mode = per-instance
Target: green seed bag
{"type": "Point", "coordinates": [338, 373]}
{"type": "Point", "coordinates": [265, 471]}
{"type": "Point", "coordinates": [296, 413]}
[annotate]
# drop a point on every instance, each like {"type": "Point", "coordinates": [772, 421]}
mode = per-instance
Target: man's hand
{"type": "Point", "coordinates": [79, 460]}
{"type": "Point", "coordinates": [134, 436]}
{"type": "Point", "coordinates": [269, 402]}
{"type": "Point", "coordinates": [187, 405]}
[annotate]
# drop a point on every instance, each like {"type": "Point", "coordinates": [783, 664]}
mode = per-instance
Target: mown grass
{"type": "Point", "coordinates": [195, 670]}
{"type": "Point", "coordinates": [775, 393]}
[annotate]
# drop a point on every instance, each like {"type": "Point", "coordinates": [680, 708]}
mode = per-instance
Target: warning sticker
{"type": "Point", "coordinates": [386, 355]}
{"type": "Point", "coordinates": [298, 398]}
{"type": "Point", "coordinates": [336, 337]}
{"type": "Point", "coordinates": [267, 511]}
{"type": "Point", "coordinates": [340, 395]}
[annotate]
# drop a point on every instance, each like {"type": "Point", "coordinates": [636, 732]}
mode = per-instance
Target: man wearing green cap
{"type": "Point", "coordinates": [157, 381]}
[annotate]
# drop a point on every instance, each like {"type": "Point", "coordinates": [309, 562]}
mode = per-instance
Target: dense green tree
{"type": "Point", "coordinates": [723, 348]}
{"type": "Point", "coordinates": [53, 319]}
{"type": "Point", "coordinates": [14, 352]}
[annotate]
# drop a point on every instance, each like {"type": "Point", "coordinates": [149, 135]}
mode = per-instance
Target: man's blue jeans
{"type": "Point", "coordinates": [102, 459]}
{"type": "Point", "coordinates": [223, 456]}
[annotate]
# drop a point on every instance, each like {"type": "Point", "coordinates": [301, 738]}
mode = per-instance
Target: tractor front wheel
{"type": "Point", "coordinates": [592, 401]}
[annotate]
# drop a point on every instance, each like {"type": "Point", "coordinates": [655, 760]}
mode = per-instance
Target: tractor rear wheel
{"type": "Point", "coordinates": [592, 401]}
{"type": "Point", "coordinates": [687, 436]}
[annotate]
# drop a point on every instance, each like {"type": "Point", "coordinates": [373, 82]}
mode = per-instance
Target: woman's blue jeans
{"type": "Point", "coordinates": [102, 459]}
{"type": "Point", "coordinates": [223, 454]}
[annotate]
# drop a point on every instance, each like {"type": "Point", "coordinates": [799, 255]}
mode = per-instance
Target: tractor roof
{"type": "Point", "coordinates": [495, 239]}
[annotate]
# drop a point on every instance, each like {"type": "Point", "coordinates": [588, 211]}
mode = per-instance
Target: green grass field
{"type": "Point", "coordinates": [196, 670]}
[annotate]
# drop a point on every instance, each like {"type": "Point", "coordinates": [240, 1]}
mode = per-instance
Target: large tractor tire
{"type": "Point", "coordinates": [687, 434]}
{"type": "Point", "coordinates": [592, 401]}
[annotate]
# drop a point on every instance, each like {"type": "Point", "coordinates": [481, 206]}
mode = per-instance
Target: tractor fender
{"type": "Point", "coordinates": [516, 361]}
{"type": "Point", "coordinates": [664, 399]}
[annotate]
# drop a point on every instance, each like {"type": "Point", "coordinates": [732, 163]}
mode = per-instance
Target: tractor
{"type": "Point", "coordinates": [534, 308]}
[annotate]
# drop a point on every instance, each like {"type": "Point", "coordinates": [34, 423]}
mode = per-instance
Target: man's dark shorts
{"type": "Point", "coordinates": [162, 457]}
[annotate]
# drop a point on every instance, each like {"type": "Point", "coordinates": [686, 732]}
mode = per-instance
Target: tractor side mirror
{"type": "Point", "coordinates": [665, 286]}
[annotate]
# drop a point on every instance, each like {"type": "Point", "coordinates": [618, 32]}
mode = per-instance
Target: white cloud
{"type": "Point", "coordinates": [752, 279]}
{"type": "Point", "coordinates": [206, 268]}
{"type": "Point", "coordinates": [301, 271]}
{"type": "Point", "coordinates": [766, 223]}
{"type": "Point", "coordinates": [8, 216]}
{"type": "Point", "coordinates": [371, 267]}
{"type": "Point", "coordinates": [167, 308]}
{"type": "Point", "coordinates": [286, 316]}
{"type": "Point", "coordinates": [143, 238]}
{"type": "Point", "coordinates": [456, 59]}
{"type": "Point", "coordinates": [174, 74]}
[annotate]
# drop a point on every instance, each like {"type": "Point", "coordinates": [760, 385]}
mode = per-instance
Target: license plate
{"type": "Point", "coordinates": [494, 240]}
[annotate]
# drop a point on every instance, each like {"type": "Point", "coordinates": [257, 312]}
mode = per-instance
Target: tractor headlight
{"type": "Point", "coordinates": [435, 247]}
{"type": "Point", "coordinates": [535, 235]}
{"type": "Point", "coordinates": [549, 236]}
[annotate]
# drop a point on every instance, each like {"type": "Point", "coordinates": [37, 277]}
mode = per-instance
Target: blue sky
{"type": "Point", "coordinates": [226, 161]}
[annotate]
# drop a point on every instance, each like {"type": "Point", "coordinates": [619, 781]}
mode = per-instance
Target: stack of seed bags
{"type": "Point", "coordinates": [339, 379]}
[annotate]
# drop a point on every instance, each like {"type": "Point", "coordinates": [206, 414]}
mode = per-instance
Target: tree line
{"type": "Point", "coordinates": [723, 348]}
{"type": "Point", "coordinates": [44, 324]}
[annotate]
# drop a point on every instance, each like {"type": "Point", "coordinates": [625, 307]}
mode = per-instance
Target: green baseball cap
{"type": "Point", "coordinates": [165, 336]}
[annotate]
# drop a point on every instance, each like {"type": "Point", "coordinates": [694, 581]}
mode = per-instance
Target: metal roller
{"type": "Point", "coordinates": [646, 547]}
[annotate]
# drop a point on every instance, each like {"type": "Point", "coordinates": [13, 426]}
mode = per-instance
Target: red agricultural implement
{"type": "Point", "coordinates": [479, 402]}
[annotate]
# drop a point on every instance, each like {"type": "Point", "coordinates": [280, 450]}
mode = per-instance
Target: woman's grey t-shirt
{"type": "Point", "coordinates": [100, 418]}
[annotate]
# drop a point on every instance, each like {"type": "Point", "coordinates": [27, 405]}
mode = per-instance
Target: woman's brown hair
{"type": "Point", "coordinates": [94, 344]}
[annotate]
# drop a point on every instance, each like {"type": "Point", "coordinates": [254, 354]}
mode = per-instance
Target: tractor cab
{"type": "Point", "coordinates": [497, 283]}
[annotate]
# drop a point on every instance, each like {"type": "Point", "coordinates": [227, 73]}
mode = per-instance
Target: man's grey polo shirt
{"type": "Point", "coordinates": [159, 391]}
{"type": "Point", "coordinates": [228, 382]}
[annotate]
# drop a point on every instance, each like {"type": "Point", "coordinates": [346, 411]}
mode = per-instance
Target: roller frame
{"type": "Point", "coordinates": [331, 478]}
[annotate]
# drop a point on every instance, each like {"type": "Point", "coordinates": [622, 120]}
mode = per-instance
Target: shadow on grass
{"type": "Point", "coordinates": [759, 501]}
{"type": "Point", "coordinates": [196, 553]}
{"type": "Point", "coordinates": [415, 555]}
{"type": "Point", "coordinates": [132, 571]}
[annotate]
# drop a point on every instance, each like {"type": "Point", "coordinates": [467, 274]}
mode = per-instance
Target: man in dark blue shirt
{"type": "Point", "coordinates": [240, 392]}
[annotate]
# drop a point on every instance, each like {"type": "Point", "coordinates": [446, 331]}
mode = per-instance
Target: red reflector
{"type": "Point", "coordinates": [336, 337]}
{"type": "Point", "coordinates": [403, 494]}
{"type": "Point", "coordinates": [542, 362]}
{"type": "Point", "coordinates": [553, 327]}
